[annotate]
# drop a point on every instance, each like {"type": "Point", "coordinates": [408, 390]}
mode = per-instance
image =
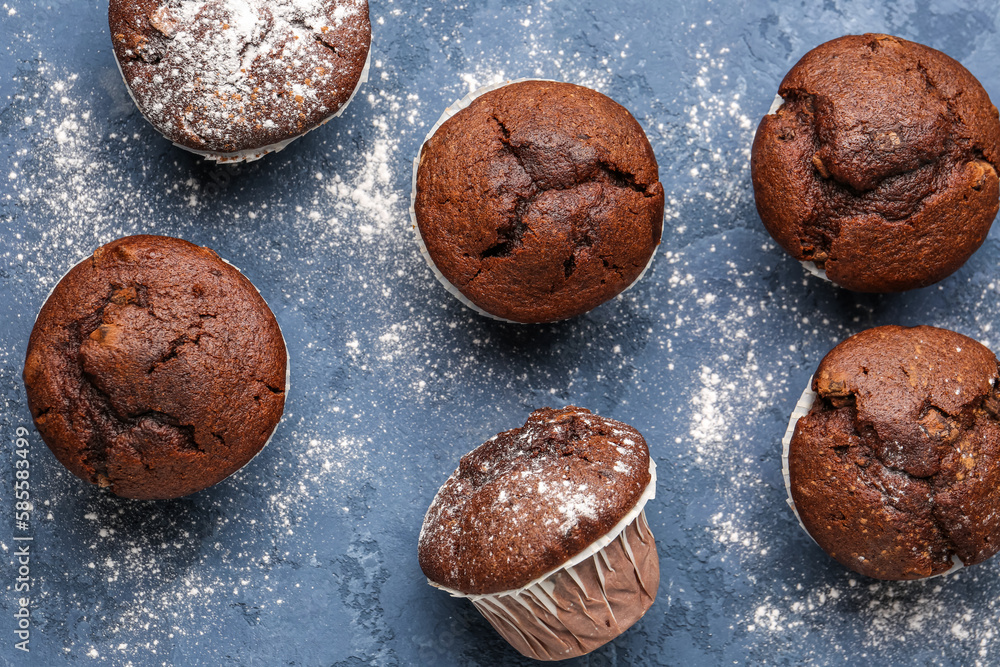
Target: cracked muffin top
{"type": "Point", "coordinates": [155, 369]}
{"type": "Point", "coordinates": [880, 165]}
{"type": "Point", "coordinates": [895, 471]}
{"type": "Point", "coordinates": [539, 201]}
{"type": "Point", "coordinates": [529, 499]}
{"type": "Point", "coordinates": [229, 76]}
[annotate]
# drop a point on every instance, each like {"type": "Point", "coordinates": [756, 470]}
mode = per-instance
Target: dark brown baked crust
{"type": "Point", "coordinates": [221, 77]}
{"type": "Point", "coordinates": [531, 498]}
{"type": "Point", "coordinates": [897, 466]}
{"type": "Point", "coordinates": [540, 200]}
{"type": "Point", "coordinates": [881, 165]}
{"type": "Point", "coordinates": [155, 369]}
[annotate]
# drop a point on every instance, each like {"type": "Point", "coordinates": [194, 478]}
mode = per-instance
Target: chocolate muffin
{"type": "Point", "coordinates": [155, 369]}
{"type": "Point", "coordinates": [542, 528]}
{"type": "Point", "coordinates": [895, 470]}
{"type": "Point", "coordinates": [880, 164]}
{"type": "Point", "coordinates": [237, 79]}
{"type": "Point", "coordinates": [538, 200]}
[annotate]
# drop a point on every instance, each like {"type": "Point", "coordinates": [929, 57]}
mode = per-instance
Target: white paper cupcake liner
{"type": "Point", "coordinates": [251, 154]}
{"type": "Point", "coordinates": [288, 357]}
{"type": "Point", "coordinates": [808, 266]}
{"type": "Point", "coordinates": [450, 111]}
{"type": "Point", "coordinates": [288, 376]}
{"type": "Point", "coordinates": [585, 602]}
{"type": "Point", "coordinates": [816, 271]}
{"type": "Point", "coordinates": [775, 104]}
{"type": "Point", "coordinates": [802, 408]}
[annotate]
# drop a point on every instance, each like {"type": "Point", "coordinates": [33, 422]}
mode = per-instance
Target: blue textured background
{"type": "Point", "coordinates": [307, 556]}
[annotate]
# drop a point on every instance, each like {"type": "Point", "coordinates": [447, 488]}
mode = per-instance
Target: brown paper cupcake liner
{"type": "Point", "coordinates": [582, 607]}
{"type": "Point", "coordinates": [585, 602]}
{"type": "Point", "coordinates": [450, 111]}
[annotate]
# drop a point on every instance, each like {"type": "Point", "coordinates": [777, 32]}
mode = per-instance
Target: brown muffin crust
{"type": "Point", "coordinates": [897, 466]}
{"type": "Point", "coordinates": [881, 164]}
{"type": "Point", "coordinates": [232, 75]}
{"type": "Point", "coordinates": [540, 200]}
{"type": "Point", "coordinates": [531, 498]}
{"type": "Point", "coordinates": [155, 369]}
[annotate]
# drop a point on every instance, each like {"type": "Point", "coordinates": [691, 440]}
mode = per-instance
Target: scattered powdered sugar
{"type": "Point", "coordinates": [740, 336]}
{"type": "Point", "coordinates": [727, 344]}
{"type": "Point", "coordinates": [546, 481]}
{"type": "Point", "coordinates": [68, 186]}
{"type": "Point", "coordinates": [577, 504]}
{"type": "Point", "coordinates": [171, 591]}
{"type": "Point", "coordinates": [716, 120]}
{"type": "Point", "coordinates": [886, 614]}
{"type": "Point", "coordinates": [551, 54]}
{"type": "Point", "coordinates": [371, 192]}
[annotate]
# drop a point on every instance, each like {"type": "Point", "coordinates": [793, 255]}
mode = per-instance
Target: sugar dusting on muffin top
{"type": "Point", "coordinates": [228, 75]}
{"type": "Point", "coordinates": [531, 498]}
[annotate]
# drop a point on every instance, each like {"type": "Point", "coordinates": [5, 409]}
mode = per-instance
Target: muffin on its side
{"type": "Point", "coordinates": [879, 167]}
{"type": "Point", "coordinates": [234, 80]}
{"type": "Point", "coordinates": [538, 201]}
{"type": "Point", "coordinates": [155, 369]}
{"type": "Point", "coordinates": [895, 470]}
{"type": "Point", "coordinates": [543, 529]}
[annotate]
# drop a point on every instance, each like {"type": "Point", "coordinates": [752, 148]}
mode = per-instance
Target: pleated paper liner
{"type": "Point", "coordinates": [588, 600]}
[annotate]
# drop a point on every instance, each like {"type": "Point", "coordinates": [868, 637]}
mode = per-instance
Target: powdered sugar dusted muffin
{"type": "Point", "coordinates": [236, 79]}
{"type": "Point", "coordinates": [155, 369]}
{"type": "Point", "coordinates": [894, 468]}
{"type": "Point", "coordinates": [542, 528]}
